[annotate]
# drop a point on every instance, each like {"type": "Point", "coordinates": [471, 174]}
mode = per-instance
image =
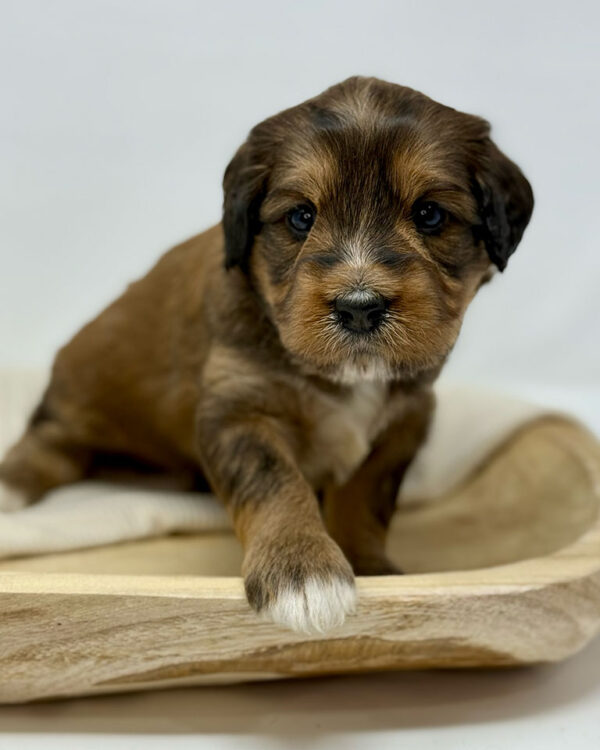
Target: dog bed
{"type": "Point", "coordinates": [106, 588]}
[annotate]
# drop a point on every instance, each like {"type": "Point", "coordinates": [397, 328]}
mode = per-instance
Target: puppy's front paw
{"type": "Point", "coordinates": [11, 498]}
{"type": "Point", "coordinates": [304, 583]}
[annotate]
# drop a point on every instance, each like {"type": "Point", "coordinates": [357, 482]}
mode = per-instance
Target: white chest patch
{"type": "Point", "coordinates": [344, 429]}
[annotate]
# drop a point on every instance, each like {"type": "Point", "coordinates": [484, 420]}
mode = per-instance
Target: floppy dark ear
{"type": "Point", "coordinates": [244, 186]}
{"type": "Point", "coordinates": [505, 202]}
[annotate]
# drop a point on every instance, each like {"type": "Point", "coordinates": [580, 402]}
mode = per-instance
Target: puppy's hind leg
{"type": "Point", "coordinates": [11, 498]}
{"type": "Point", "coordinates": [45, 457]}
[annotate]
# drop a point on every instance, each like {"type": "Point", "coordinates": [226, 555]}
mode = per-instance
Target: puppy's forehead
{"type": "Point", "coordinates": [401, 142]}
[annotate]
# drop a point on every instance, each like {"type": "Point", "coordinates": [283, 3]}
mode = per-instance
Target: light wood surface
{"type": "Point", "coordinates": [504, 570]}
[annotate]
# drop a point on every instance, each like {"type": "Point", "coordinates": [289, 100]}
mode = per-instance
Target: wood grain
{"type": "Point", "coordinates": [504, 570]}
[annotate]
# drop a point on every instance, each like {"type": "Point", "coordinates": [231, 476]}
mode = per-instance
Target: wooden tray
{"type": "Point", "coordinates": [503, 571]}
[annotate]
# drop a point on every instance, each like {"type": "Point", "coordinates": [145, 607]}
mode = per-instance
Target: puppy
{"type": "Point", "coordinates": [285, 358]}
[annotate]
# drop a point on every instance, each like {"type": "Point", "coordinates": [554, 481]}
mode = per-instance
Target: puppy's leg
{"type": "Point", "coordinates": [358, 513]}
{"type": "Point", "coordinates": [45, 457]}
{"type": "Point", "coordinates": [294, 573]}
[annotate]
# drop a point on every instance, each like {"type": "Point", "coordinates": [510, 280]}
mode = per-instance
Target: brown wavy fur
{"type": "Point", "coordinates": [227, 366]}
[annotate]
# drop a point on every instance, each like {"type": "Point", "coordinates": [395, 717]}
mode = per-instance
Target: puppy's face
{"type": "Point", "coordinates": [367, 218]}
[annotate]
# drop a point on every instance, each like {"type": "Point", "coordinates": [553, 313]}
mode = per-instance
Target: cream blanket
{"type": "Point", "coordinates": [468, 425]}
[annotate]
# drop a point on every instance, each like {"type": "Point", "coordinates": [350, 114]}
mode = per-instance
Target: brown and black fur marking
{"type": "Point", "coordinates": [228, 364]}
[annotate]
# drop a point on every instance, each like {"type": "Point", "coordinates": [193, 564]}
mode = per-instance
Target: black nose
{"type": "Point", "coordinates": [360, 313]}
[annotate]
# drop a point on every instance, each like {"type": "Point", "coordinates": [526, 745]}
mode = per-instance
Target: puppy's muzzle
{"type": "Point", "coordinates": [360, 312]}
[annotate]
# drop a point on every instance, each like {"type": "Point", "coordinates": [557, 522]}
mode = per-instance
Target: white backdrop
{"type": "Point", "coordinates": [118, 118]}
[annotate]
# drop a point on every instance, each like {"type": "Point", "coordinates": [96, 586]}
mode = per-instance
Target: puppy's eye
{"type": "Point", "coordinates": [428, 216]}
{"type": "Point", "coordinates": [301, 218]}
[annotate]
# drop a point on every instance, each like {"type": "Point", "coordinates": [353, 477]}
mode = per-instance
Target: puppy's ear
{"type": "Point", "coordinates": [505, 202]}
{"type": "Point", "coordinates": [244, 186]}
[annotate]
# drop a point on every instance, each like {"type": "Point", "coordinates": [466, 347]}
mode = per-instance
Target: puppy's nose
{"type": "Point", "coordinates": [359, 313]}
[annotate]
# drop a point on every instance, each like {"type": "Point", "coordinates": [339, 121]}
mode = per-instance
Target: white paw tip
{"type": "Point", "coordinates": [11, 499]}
{"type": "Point", "coordinates": [317, 607]}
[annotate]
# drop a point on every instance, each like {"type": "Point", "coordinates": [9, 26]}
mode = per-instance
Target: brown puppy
{"type": "Point", "coordinates": [287, 356]}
